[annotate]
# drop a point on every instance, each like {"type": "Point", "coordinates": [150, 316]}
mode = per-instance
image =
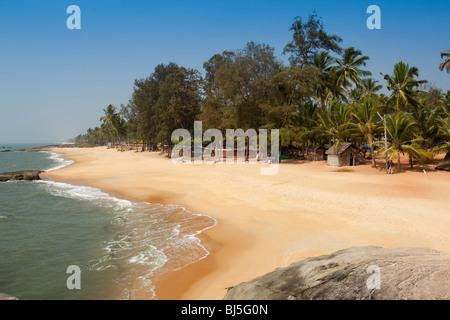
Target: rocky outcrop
{"type": "Point", "coordinates": [445, 163]}
{"type": "Point", "coordinates": [20, 175]}
{"type": "Point", "coordinates": [49, 147]}
{"type": "Point", "coordinates": [353, 274]}
{"type": "Point", "coordinates": [7, 297]}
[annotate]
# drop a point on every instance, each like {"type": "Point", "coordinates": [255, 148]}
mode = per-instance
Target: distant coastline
{"type": "Point", "coordinates": [34, 147]}
{"type": "Point", "coordinates": [48, 147]}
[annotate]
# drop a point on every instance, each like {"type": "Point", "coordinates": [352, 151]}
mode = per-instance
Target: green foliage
{"type": "Point", "coordinates": [310, 37]}
{"type": "Point", "coordinates": [86, 145]}
{"type": "Point", "coordinates": [404, 86]}
{"type": "Point", "coordinates": [348, 70]}
{"type": "Point", "coordinates": [316, 99]}
{"type": "Point", "coordinates": [403, 139]}
{"type": "Point", "coordinates": [168, 99]}
{"type": "Point", "coordinates": [446, 63]}
{"type": "Point", "coordinates": [237, 85]}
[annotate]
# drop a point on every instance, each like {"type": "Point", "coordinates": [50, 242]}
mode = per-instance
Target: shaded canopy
{"type": "Point", "coordinates": [341, 148]}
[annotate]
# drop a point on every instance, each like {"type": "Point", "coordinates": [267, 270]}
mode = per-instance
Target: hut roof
{"type": "Point", "coordinates": [314, 148]}
{"type": "Point", "coordinates": [341, 148]}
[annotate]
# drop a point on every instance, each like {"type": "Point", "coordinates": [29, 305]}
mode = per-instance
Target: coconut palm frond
{"type": "Point", "coordinates": [446, 63]}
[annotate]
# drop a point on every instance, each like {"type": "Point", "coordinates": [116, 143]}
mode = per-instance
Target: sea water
{"type": "Point", "coordinates": [119, 246]}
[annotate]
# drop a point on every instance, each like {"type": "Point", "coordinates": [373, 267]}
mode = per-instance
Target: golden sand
{"type": "Point", "coordinates": [267, 222]}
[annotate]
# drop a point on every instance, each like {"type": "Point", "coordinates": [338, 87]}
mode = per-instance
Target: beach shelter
{"type": "Point", "coordinates": [344, 154]}
{"type": "Point", "coordinates": [316, 153]}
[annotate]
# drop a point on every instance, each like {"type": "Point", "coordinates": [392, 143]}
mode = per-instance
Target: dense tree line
{"type": "Point", "coordinates": [323, 96]}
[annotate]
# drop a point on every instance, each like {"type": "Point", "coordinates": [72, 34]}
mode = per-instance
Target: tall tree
{"type": "Point", "coordinates": [426, 115]}
{"type": "Point", "coordinates": [309, 37]}
{"type": "Point", "coordinates": [184, 102]}
{"type": "Point", "coordinates": [371, 86]}
{"type": "Point", "coordinates": [334, 123]}
{"type": "Point", "coordinates": [111, 120]}
{"type": "Point", "coordinates": [402, 139]}
{"type": "Point", "coordinates": [348, 69]}
{"type": "Point", "coordinates": [168, 99]}
{"type": "Point", "coordinates": [293, 87]}
{"type": "Point", "coordinates": [403, 85]}
{"type": "Point", "coordinates": [306, 120]}
{"type": "Point", "coordinates": [323, 62]}
{"type": "Point", "coordinates": [367, 121]}
{"type": "Point", "coordinates": [443, 125]}
{"type": "Point", "coordinates": [237, 85]}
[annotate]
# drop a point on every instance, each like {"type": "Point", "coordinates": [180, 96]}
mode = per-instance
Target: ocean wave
{"type": "Point", "coordinates": [84, 193]}
{"type": "Point", "coordinates": [60, 161]}
{"type": "Point", "coordinates": [188, 244]}
{"type": "Point", "coordinates": [148, 239]}
{"type": "Point", "coordinates": [152, 257]}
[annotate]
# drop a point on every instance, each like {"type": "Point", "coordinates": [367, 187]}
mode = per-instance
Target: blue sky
{"type": "Point", "coordinates": [55, 82]}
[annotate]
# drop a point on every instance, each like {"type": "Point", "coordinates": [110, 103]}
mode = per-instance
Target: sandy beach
{"type": "Point", "coordinates": [265, 222]}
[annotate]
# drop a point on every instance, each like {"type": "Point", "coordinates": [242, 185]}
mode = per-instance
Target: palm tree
{"type": "Point", "coordinates": [335, 90]}
{"type": "Point", "coordinates": [446, 63]}
{"type": "Point", "coordinates": [121, 128]}
{"type": "Point", "coordinates": [426, 115]}
{"type": "Point", "coordinates": [111, 119]}
{"type": "Point", "coordinates": [366, 123]}
{"type": "Point", "coordinates": [348, 69]}
{"type": "Point", "coordinates": [306, 122]}
{"type": "Point", "coordinates": [444, 132]}
{"type": "Point", "coordinates": [403, 85]}
{"type": "Point", "coordinates": [334, 123]}
{"type": "Point", "coordinates": [402, 139]}
{"type": "Point", "coordinates": [322, 61]}
{"type": "Point", "coordinates": [445, 105]}
{"type": "Point", "coordinates": [371, 86]}
{"type": "Point", "coordinates": [443, 124]}
{"type": "Point", "coordinates": [356, 94]}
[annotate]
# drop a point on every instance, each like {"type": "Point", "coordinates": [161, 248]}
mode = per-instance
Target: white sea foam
{"type": "Point", "coordinates": [150, 237]}
{"type": "Point", "coordinates": [85, 193]}
{"type": "Point", "coordinates": [60, 161]}
{"type": "Point", "coordinates": [152, 257]}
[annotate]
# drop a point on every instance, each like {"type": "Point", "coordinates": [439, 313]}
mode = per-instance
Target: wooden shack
{"type": "Point", "coordinates": [316, 153]}
{"type": "Point", "coordinates": [344, 154]}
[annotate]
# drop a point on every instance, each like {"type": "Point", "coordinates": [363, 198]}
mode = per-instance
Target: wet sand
{"type": "Point", "coordinates": [265, 222]}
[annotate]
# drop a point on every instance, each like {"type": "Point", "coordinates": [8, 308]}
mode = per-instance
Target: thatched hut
{"type": "Point", "coordinates": [344, 154]}
{"type": "Point", "coordinates": [316, 153]}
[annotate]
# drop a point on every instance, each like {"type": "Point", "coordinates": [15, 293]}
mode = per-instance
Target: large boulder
{"type": "Point", "coordinates": [445, 163]}
{"type": "Point", "coordinates": [353, 274]}
{"type": "Point", "coordinates": [445, 166]}
{"type": "Point", "coordinates": [20, 175]}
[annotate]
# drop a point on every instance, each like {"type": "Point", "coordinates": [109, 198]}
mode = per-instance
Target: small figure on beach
{"type": "Point", "coordinates": [390, 167]}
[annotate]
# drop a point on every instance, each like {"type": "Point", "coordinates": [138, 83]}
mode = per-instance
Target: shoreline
{"type": "Point", "coordinates": [307, 209]}
{"type": "Point", "coordinates": [168, 279]}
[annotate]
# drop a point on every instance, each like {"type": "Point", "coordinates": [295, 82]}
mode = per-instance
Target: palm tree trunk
{"type": "Point", "coordinates": [372, 153]}
{"type": "Point", "coordinates": [399, 168]}
{"type": "Point", "coordinates": [169, 151]}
